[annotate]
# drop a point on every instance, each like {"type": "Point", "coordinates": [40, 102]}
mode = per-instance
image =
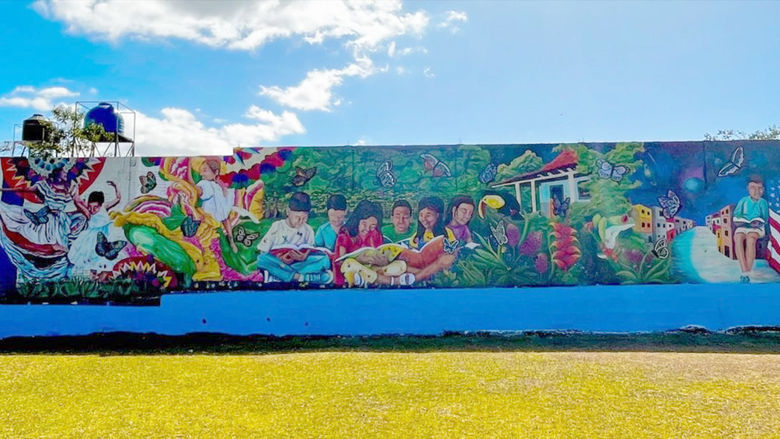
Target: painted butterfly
{"type": "Point", "coordinates": [450, 247]}
{"type": "Point", "coordinates": [242, 236]}
{"type": "Point", "coordinates": [735, 164]}
{"type": "Point", "coordinates": [39, 217]}
{"type": "Point", "coordinates": [148, 182]}
{"type": "Point", "coordinates": [385, 175]}
{"type": "Point", "coordinates": [608, 170]}
{"type": "Point", "coordinates": [670, 203]}
{"type": "Point", "coordinates": [302, 176]}
{"type": "Point", "coordinates": [189, 227]}
{"type": "Point", "coordinates": [561, 208]}
{"type": "Point", "coordinates": [499, 232]}
{"type": "Point", "coordinates": [108, 249]}
{"type": "Point", "coordinates": [436, 167]}
{"type": "Point", "coordinates": [661, 249]}
{"type": "Point", "coordinates": [489, 173]}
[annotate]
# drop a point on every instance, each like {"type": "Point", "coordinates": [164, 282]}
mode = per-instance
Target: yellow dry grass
{"type": "Point", "coordinates": [342, 394]}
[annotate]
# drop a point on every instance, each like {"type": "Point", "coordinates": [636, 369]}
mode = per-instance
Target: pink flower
{"type": "Point", "coordinates": [634, 256]}
{"type": "Point", "coordinates": [531, 244]}
{"type": "Point", "coordinates": [540, 265]}
{"type": "Point", "coordinates": [512, 234]}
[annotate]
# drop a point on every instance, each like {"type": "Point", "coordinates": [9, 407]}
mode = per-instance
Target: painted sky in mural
{"type": "Point", "coordinates": [127, 230]}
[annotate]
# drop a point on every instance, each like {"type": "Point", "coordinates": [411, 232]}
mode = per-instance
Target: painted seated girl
{"type": "Point", "coordinates": [460, 213]}
{"type": "Point", "coordinates": [362, 230]}
{"type": "Point", "coordinates": [429, 254]}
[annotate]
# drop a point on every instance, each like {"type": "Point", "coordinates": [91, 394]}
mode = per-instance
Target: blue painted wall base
{"type": "Point", "coordinates": [351, 312]}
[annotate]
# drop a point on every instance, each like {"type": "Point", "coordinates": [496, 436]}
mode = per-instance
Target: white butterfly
{"type": "Point", "coordinates": [661, 249]}
{"type": "Point", "coordinates": [499, 232]}
{"type": "Point", "coordinates": [735, 164]}
{"type": "Point", "coordinates": [670, 203]}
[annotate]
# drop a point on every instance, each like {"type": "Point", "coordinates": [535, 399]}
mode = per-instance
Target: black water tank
{"type": "Point", "coordinates": [34, 129]}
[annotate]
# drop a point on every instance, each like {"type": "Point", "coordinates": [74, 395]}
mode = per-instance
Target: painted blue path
{"type": "Point", "coordinates": [697, 259]}
{"type": "Point", "coordinates": [348, 312]}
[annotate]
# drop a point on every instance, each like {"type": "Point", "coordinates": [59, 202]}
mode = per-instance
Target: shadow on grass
{"type": "Point", "coordinates": [755, 340]}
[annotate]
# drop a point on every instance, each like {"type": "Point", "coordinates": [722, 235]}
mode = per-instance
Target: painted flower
{"type": "Point", "coordinates": [564, 246]}
{"type": "Point", "coordinates": [513, 235]}
{"type": "Point", "coordinates": [540, 264]}
{"type": "Point", "coordinates": [531, 244]}
{"type": "Point", "coordinates": [634, 256]}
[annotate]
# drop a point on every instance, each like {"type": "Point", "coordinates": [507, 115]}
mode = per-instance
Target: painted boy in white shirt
{"type": "Point", "coordinates": [292, 265]}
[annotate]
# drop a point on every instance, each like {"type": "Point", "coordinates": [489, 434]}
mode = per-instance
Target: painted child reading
{"type": "Point", "coordinates": [287, 251]}
{"type": "Point", "coordinates": [361, 257]}
{"type": "Point", "coordinates": [750, 217]}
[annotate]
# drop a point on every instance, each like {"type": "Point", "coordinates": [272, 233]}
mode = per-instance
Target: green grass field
{"type": "Point", "coordinates": [392, 394]}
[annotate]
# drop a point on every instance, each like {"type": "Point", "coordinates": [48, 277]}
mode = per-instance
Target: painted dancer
{"type": "Point", "coordinates": [82, 253]}
{"type": "Point", "coordinates": [216, 197]}
{"type": "Point", "coordinates": [37, 241]}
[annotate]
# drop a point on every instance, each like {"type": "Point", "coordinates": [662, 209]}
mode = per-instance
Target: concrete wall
{"type": "Point", "coordinates": [212, 243]}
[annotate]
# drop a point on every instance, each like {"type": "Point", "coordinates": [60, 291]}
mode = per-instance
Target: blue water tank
{"type": "Point", "coordinates": [106, 115]}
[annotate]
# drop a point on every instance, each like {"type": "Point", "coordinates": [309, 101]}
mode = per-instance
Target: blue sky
{"type": "Point", "coordinates": [205, 76]}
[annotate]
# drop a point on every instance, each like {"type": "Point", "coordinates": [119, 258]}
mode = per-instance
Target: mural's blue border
{"type": "Point", "coordinates": [365, 312]}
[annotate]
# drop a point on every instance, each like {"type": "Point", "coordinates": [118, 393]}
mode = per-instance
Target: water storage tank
{"type": "Point", "coordinates": [34, 128]}
{"type": "Point", "coordinates": [106, 115]}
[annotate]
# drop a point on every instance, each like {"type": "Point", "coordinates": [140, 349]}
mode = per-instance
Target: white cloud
{"type": "Point", "coordinates": [363, 26]}
{"type": "Point", "coordinates": [452, 19]}
{"type": "Point", "coordinates": [393, 51]}
{"type": "Point", "coordinates": [315, 92]}
{"type": "Point", "coordinates": [179, 132]}
{"type": "Point", "coordinates": [428, 73]}
{"type": "Point", "coordinates": [235, 24]}
{"type": "Point", "coordinates": [42, 99]}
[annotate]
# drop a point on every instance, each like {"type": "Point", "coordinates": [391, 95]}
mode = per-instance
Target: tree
{"type": "Point", "coordinates": [526, 162]}
{"type": "Point", "coordinates": [771, 133]}
{"type": "Point", "coordinates": [66, 135]}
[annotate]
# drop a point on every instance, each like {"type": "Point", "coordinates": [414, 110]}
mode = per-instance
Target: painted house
{"type": "Point", "coordinates": [712, 221]}
{"type": "Point", "coordinates": [557, 179]}
{"type": "Point", "coordinates": [724, 232]}
{"type": "Point", "coordinates": [726, 237]}
{"type": "Point", "coordinates": [643, 219]}
{"type": "Point", "coordinates": [662, 227]}
{"type": "Point", "coordinates": [683, 224]}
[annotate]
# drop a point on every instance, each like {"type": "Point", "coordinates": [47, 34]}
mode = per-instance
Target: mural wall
{"type": "Point", "coordinates": [126, 230]}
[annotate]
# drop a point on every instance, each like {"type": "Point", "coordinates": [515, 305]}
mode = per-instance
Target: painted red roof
{"type": "Point", "coordinates": [565, 159]}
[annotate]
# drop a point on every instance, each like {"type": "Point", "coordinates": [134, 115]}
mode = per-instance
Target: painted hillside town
{"type": "Point", "coordinates": [125, 228]}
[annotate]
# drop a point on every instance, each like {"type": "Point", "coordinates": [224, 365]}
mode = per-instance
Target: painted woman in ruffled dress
{"type": "Point", "coordinates": [37, 241]}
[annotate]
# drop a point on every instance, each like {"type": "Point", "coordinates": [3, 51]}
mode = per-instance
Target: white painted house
{"type": "Point", "coordinates": [559, 179]}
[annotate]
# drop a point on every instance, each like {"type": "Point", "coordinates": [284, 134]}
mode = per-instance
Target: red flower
{"type": "Point", "coordinates": [564, 246]}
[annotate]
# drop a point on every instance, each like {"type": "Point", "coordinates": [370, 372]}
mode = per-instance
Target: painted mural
{"type": "Point", "coordinates": [127, 230]}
